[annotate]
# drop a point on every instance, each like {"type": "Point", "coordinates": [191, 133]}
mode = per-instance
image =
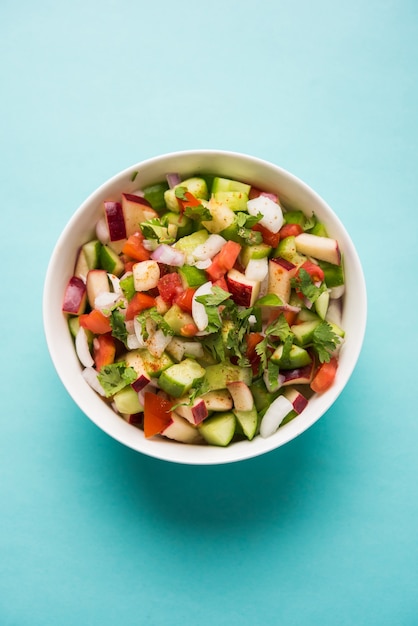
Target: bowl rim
{"type": "Point", "coordinates": [103, 416]}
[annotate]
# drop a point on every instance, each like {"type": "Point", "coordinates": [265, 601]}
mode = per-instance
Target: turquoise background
{"type": "Point", "coordinates": [323, 530]}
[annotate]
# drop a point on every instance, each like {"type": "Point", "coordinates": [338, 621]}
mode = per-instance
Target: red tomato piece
{"type": "Point", "coordinates": [224, 260]}
{"type": "Point", "coordinates": [221, 282]}
{"type": "Point", "coordinates": [157, 414]}
{"type": "Point", "coordinates": [169, 286]}
{"type": "Point", "coordinates": [104, 350]}
{"type": "Point", "coordinates": [271, 239]}
{"type": "Point", "coordinates": [189, 330]}
{"type": "Point", "coordinates": [324, 376]}
{"type": "Point", "coordinates": [134, 248]}
{"type": "Point", "coordinates": [96, 322]}
{"type": "Point", "coordinates": [138, 303]}
{"type": "Point", "coordinates": [314, 271]}
{"type": "Point", "coordinates": [290, 230]}
{"type": "Point", "coordinates": [185, 299]}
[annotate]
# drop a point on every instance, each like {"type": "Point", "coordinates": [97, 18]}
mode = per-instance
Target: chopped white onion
{"type": "Point", "coordinates": [199, 314]}
{"type": "Point", "coordinates": [203, 265]}
{"type": "Point", "coordinates": [257, 269]}
{"type": "Point", "coordinates": [82, 348]}
{"type": "Point", "coordinates": [138, 333]}
{"type": "Point", "coordinates": [115, 281]}
{"type": "Point", "coordinates": [271, 211]}
{"type": "Point", "coordinates": [213, 244]}
{"type": "Point", "coordinates": [150, 244]}
{"type": "Point", "coordinates": [168, 255]}
{"type": "Point", "coordinates": [90, 376]}
{"type": "Point", "coordinates": [274, 416]}
{"type": "Point", "coordinates": [102, 231]}
{"type": "Point", "coordinates": [105, 300]}
{"type": "Point", "coordinates": [157, 343]}
{"type": "Point", "coordinates": [132, 341]}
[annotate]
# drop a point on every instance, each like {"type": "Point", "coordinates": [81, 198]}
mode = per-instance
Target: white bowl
{"type": "Point", "coordinates": [292, 192]}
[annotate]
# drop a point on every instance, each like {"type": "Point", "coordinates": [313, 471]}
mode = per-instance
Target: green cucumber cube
{"type": "Point", "coordinates": [226, 184]}
{"type": "Point", "coordinates": [248, 421]}
{"type": "Point", "coordinates": [218, 429]}
{"type": "Point", "coordinates": [218, 376]}
{"type": "Point", "coordinates": [127, 402]}
{"type": "Point", "coordinates": [110, 261]}
{"type": "Point", "coordinates": [178, 379]}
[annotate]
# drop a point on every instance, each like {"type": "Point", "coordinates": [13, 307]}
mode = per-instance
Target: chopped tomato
{"type": "Point", "coordinates": [157, 414]}
{"type": "Point", "coordinates": [314, 271]}
{"type": "Point", "coordinates": [215, 271]}
{"type": "Point", "coordinates": [252, 340]}
{"type": "Point", "coordinates": [221, 282]}
{"type": "Point", "coordinates": [189, 202]}
{"type": "Point", "coordinates": [185, 299]}
{"type": "Point", "coordinates": [104, 350]}
{"type": "Point", "coordinates": [224, 260]}
{"type": "Point", "coordinates": [189, 330]}
{"type": "Point", "coordinates": [324, 376]}
{"type": "Point", "coordinates": [169, 286]}
{"type": "Point", "coordinates": [96, 322]}
{"type": "Point", "coordinates": [138, 303]}
{"type": "Point", "coordinates": [290, 316]}
{"type": "Point", "coordinates": [271, 239]}
{"type": "Point", "coordinates": [134, 248]}
{"type": "Point", "coordinates": [290, 230]}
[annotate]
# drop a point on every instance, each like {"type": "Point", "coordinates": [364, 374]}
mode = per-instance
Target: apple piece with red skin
{"type": "Point", "coordinates": [136, 419]}
{"type": "Point", "coordinates": [96, 282]}
{"type": "Point", "coordinates": [241, 395]}
{"type": "Point", "coordinates": [298, 376]}
{"type": "Point", "coordinates": [115, 220]}
{"type": "Point", "coordinates": [193, 413]}
{"type": "Point", "coordinates": [75, 296]}
{"type": "Point", "coordinates": [181, 430]}
{"type": "Point", "coordinates": [136, 210]}
{"type": "Point", "coordinates": [218, 400]}
{"type": "Point", "coordinates": [296, 398]}
{"type": "Point", "coordinates": [281, 273]}
{"type": "Point", "coordinates": [322, 248]}
{"type": "Point", "coordinates": [243, 290]}
{"type": "Point", "coordinates": [140, 383]}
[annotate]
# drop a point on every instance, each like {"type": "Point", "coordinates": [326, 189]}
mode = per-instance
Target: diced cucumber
{"type": "Point", "coordinates": [258, 251]}
{"type": "Point", "coordinates": [235, 200]}
{"type": "Point", "coordinates": [143, 361]}
{"type": "Point", "coordinates": [262, 397]}
{"type": "Point", "coordinates": [294, 217]}
{"type": "Point", "coordinates": [306, 315]}
{"type": "Point", "coordinates": [88, 258]}
{"type": "Point", "coordinates": [192, 276]}
{"type": "Point", "coordinates": [219, 429]}
{"type": "Point", "coordinates": [184, 225]}
{"type": "Point", "coordinates": [127, 401]}
{"type": "Point", "coordinates": [110, 261]}
{"type": "Point", "coordinates": [180, 347]}
{"type": "Point", "coordinates": [298, 357]}
{"type": "Point", "coordinates": [287, 250]}
{"type": "Point", "coordinates": [180, 378]}
{"type": "Point", "coordinates": [196, 186]}
{"type": "Point", "coordinates": [333, 274]}
{"type": "Point", "coordinates": [155, 195]}
{"type": "Point", "coordinates": [319, 229]}
{"type": "Point", "coordinates": [248, 420]}
{"type": "Point", "coordinates": [289, 417]}
{"type": "Point", "coordinates": [226, 184]}
{"type": "Point", "coordinates": [304, 331]}
{"type": "Point", "coordinates": [188, 243]}
{"type": "Point", "coordinates": [176, 318]}
{"type": "Point", "coordinates": [218, 376]}
{"type": "Point", "coordinates": [74, 325]}
{"type": "Point", "coordinates": [321, 304]}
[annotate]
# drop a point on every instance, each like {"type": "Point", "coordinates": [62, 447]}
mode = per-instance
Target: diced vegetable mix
{"type": "Point", "coordinates": [205, 312]}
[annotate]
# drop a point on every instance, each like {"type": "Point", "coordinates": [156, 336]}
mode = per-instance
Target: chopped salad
{"type": "Point", "coordinates": [206, 312]}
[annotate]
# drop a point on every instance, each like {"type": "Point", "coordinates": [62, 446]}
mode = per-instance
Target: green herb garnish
{"type": "Point", "coordinates": [115, 377]}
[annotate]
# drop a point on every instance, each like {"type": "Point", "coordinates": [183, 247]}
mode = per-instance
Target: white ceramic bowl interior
{"type": "Point", "coordinates": [292, 193]}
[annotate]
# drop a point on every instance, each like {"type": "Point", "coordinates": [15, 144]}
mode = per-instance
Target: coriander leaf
{"type": "Point", "coordinates": [304, 284]}
{"type": "Point", "coordinates": [287, 345]}
{"type": "Point", "coordinates": [324, 341]}
{"type": "Point", "coordinates": [198, 213]}
{"type": "Point", "coordinates": [156, 228]}
{"type": "Point", "coordinates": [215, 345]}
{"type": "Point", "coordinates": [251, 237]}
{"type": "Point", "coordinates": [180, 191]}
{"type": "Point", "coordinates": [279, 328]}
{"type": "Point", "coordinates": [272, 375]}
{"type": "Point", "coordinates": [310, 222]}
{"type": "Point", "coordinates": [160, 321]}
{"type": "Point", "coordinates": [261, 350]}
{"type": "Point", "coordinates": [117, 322]}
{"type": "Point", "coordinates": [215, 298]}
{"type": "Point", "coordinates": [115, 377]}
